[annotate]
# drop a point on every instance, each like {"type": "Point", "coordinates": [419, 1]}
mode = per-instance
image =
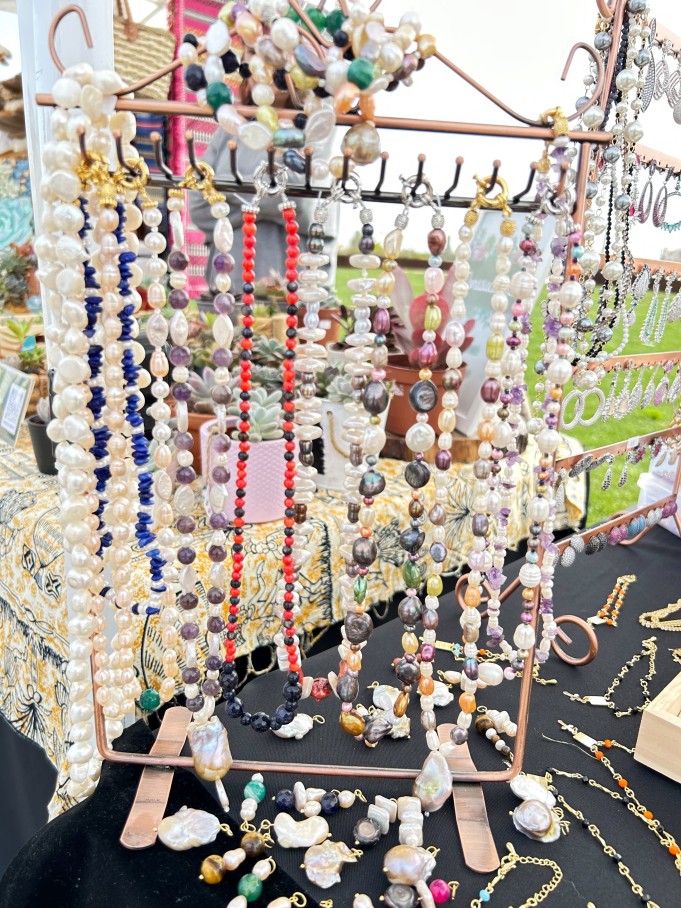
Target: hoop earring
{"type": "Point", "coordinates": [579, 409]}
{"type": "Point", "coordinates": [644, 209]}
{"type": "Point", "coordinates": [660, 206]}
{"type": "Point", "coordinates": [599, 409]}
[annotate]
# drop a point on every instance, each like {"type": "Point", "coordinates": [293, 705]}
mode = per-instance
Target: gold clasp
{"type": "Point", "coordinates": [498, 202]}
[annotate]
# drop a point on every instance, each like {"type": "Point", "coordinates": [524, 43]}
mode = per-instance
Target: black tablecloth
{"type": "Point", "coordinates": [77, 860]}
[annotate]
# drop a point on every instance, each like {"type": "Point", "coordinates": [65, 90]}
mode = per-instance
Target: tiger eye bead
{"type": "Point", "coordinates": [212, 869]}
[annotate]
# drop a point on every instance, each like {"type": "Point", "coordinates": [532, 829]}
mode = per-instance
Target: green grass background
{"type": "Point", "coordinates": [640, 422]}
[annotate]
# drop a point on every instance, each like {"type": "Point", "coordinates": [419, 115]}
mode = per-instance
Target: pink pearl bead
{"type": "Point", "coordinates": [440, 891]}
{"type": "Point", "coordinates": [509, 673]}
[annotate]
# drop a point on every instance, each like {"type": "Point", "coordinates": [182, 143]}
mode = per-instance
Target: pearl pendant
{"type": "Point", "coordinates": [210, 748]}
{"type": "Point", "coordinates": [297, 729]}
{"type": "Point", "coordinates": [324, 862]}
{"type": "Point", "coordinates": [408, 864]}
{"type": "Point", "coordinates": [433, 785]}
{"type": "Point", "coordinates": [300, 833]}
{"type": "Point", "coordinates": [188, 828]}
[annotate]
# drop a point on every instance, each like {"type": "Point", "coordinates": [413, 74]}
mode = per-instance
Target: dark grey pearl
{"type": "Point", "coordinates": [400, 896]}
{"type": "Point", "coordinates": [481, 469]}
{"type": "Point", "coordinates": [367, 832]}
{"type": "Point", "coordinates": [314, 245]}
{"type": "Point", "coordinates": [358, 627]}
{"type": "Point", "coordinates": [581, 102]}
{"type": "Point", "coordinates": [604, 334]}
{"type": "Point", "coordinates": [376, 397]}
{"type": "Point", "coordinates": [591, 189]}
{"type": "Point", "coordinates": [636, 6]}
{"type": "Point", "coordinates": [347, 688]}
{"type": "Point", "coordinates": [539, 367]}
{"type": "Point", "coordinates": [409, 610]}
{"type": "Point", "coordinates": [643, 57]}
{"type": "Point", "coordinates": [316, 229]}
{"type": "Point", "coordinates": [480, 524]}
{"type": "Point", "coordinates": [430, 619]}
{"type": "Point", "coordinates": [437, 515]}
{"type": "Point", "coordinates": [364, 551]}
{"type": "Point", "coordinates": [611, 154]}
{"type": "Point", "coordinates": [623, 201]}
{"type": "Point", "coordinates": [602, 41]}
{"type": "Point", "coordinates": [412, 539]}
{"type": "Point", "coordinates": [423, 396]}
{"type": "Point", "coordinates": [376, 729]}
{"type": "Point", "coordinates": [438, 551]}
{"type": "Point", "coordinates": [417, 474]}
{"type": "Point", "coordinates": [371, 484]}
{"type": "Point", "coordinates": [584, 325]}
{"type": "Point", "coordinates": [458, 735]}
{"type": "Point", "coordinates": [294, 161]}
{"type": "Point", "coordinates": [451, 380]}
{"type": "Point", "coordinates": [408, 672]}
{"type": "Point", "coordinates": [470, 669]}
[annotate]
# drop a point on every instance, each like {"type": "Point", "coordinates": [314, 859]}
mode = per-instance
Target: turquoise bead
{"type": "Point", "coordinates": [255, 790]}
{"type": "Point", "coordinates": [250, 887]}
{"type": "Point", "coordinates": [484, 895]}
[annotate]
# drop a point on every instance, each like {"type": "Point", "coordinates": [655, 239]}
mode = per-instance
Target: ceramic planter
{"type": "Point", "coordinates": [332, 451]}
{"type": "Point", "coordinates": [265, 494]}
{"type": "Point", "coordinates": [43, 448]}
{"type": "Point", "coordinates": [195, 422]}
{"type": "Point", "coordinates": [400, 414]}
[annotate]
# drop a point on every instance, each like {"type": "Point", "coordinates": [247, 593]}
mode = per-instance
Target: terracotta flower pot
{"type": "Point", "coordinates": [404, 375]}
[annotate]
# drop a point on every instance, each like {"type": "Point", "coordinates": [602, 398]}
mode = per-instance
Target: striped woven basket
{"type": "Point", "coordinates": [140, 50]}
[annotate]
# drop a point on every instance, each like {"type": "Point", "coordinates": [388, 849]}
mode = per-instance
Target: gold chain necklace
{"type": "Point", "coordinates": [649, 651]}
{"type": "Point", "coordinates": [654, 619]}
{"type": "Point", "coordinates": [509, 862]}
{"type": "Point", "coordinates": [595, 832]}
{"type": "Point", "coordinates": [609, 613]}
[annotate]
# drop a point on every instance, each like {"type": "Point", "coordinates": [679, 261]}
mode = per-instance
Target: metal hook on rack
{"type": "Point", "coordinates": [496, 164]}
{"type": "Point", "coordinates": [381, 178]}
{"type": "Point", "coordinates": [530, 181]}
{"type": "Point", "coordinates": [55, 25]}
{"type": "Point", "coordinates": [232, 145]}
{"type": "Point", "coordinates": [156, 141]}
{"type": "Point", "coordinates": [560, 188]}
{"type": "Point", "coordinates": [455, 183]}
{"type": "Point", "coordinates": [83, 146]}
{"type": "Point", "coordinates": [270, 165]}
{"type": "Point", "coordinates": [307, 151]}
{"type": "Point", "coordinates": [118, 141]}
{"type": "Point", "coordinates": [191, 151]}
{"type": "Point", "coordinates": [346, 168]}
{"type": "Point", "coordinates": [419, 175]}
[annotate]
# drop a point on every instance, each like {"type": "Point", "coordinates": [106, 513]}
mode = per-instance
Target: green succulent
{"type": "Point", "coordinates": [265, 415]}
{"type": "Point", "coordinates": [201, 385]}
{"type": "Point", "coordinates": [340, 389]}
{"type": "Point", "coordinates": [268, 351]}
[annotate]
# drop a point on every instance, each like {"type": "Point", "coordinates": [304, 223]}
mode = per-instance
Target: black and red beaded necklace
{"type": "Point", "coordinates": [292, 689]}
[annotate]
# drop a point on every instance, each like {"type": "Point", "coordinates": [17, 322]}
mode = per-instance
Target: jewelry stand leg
{"type": "Point", "coordinates": [153, 790]}
{"type": "Point", "coordinates": [470, 812]}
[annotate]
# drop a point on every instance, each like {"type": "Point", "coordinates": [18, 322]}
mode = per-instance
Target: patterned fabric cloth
{"type": "Point", "coordinates": [33, 625]}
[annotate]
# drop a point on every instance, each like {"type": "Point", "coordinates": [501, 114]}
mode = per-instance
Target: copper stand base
{"type": "Point", "coordinates": [153, 790]}
{"type": "Point", "coordinates": [470, 812]}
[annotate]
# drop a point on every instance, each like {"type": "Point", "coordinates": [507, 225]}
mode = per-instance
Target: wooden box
{"type": "Point", "coordinates": [659, 736]}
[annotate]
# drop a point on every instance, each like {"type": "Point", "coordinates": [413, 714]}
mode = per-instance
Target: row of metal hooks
{"type": "Point", "coordinates": [167, 178]}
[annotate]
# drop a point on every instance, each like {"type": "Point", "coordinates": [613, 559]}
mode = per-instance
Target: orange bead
{"type": "Point", "coordinates": [622, 783]}
{"type": "Point", "coordinates": [528, 594]}
{"type": "Point", "coordinates": [426, 686]}
{"type": "Point", "coordinates": [346, 97]}
{"type": "Point", "coordinates": [366, 532]}
{"type": "Point", "coordinates": [467, 703]}
{"type": "Point", "coordinates": [354, 661]}
{"type": "Point", "coordinates": [556, 393]}
{"type": "Point", "coordinates": [472, 596]}
{"type": "Point", "coordinates": [607, 744]}
{"type": "Point", "coordinates": [486, 430]}
{"type": "Point", "coordinates": [648, 814]}
{"type": "Point", "coordinates": [599, 755]}
{"type": "Point", "coordinates": [674, 849]}
{"type": "Point", "coordinates": [367, 106]}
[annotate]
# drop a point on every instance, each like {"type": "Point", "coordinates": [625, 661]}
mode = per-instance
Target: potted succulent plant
{"type": "Point", "coordinates": [18, 281]}
{"type": "Point", "coordinates": [268, 319]}
{"type": "Point", "coordinates": [43, 447]}
{"type": "Point", "coordinates": [29, 357]}
{"type": "Point", "coordinates": [265, 499]}
{"type": "Point", "coordinates": [407, 330]}
{"type": "Point", "coordinates": [201, 409]}
{"type": "Point", "coordinates": [331, 451]}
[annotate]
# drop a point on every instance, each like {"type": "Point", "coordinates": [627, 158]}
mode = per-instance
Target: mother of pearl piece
{"type": "Point", "coordinates": [324, 862]}
{"type": "Point", "coordinates": [188, 828]}
{"type": "Point", "coordinates": [300, 833]}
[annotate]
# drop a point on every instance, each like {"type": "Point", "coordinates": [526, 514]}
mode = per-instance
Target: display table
{"type": "Point", "coordinates": [33, 631]}
{"type": "Point", "coordinates": [77, 860]}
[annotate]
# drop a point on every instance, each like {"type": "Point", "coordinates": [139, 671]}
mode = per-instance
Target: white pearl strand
{"type": "Point", "coordinates": [63, 279]}
{"type": "Point", "coordinates": [157, 334]}
{"type": "Point", "coordinates": [486, 501]}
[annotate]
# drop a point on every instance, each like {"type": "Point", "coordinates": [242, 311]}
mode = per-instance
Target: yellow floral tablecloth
{"type": "Point", "coordinates": [33, 626]}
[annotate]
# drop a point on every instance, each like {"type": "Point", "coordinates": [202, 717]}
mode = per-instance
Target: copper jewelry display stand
{"type": "Point", "coordinates": [480, 854]}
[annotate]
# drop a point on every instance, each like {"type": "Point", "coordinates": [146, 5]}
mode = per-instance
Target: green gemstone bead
{"type": "Point", "coordinates": [434, 585]}
{"type": "Point", "coordinates": [495, 347]}
{"type": "Point", "coordinates": [149, 700]}
{"type": "Point", "coordinates": [218, 94]}
{"type": "Point", "coordinates": [255, 790]}
{"type": "Point", "coordinates": [292, 14]}
{"type": "Point", "coordinates": [317, 17]}
{"type": "Point", "coordinates": [334, 21]}
{"type": "Point", "coordinates": [411, 574]}
{"type": "Point", "coordinates": [250, 887]}
{"type": "Point", "coordinates": [361, 73]}
{"type": "Point", "coordinates": [360, 589]}
{"type": "Point", "coordinates": [432, 319]}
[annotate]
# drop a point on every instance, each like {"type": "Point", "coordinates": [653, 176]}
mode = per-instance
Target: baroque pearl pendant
{"type": "Point", "coordinates": [433, 785]}
{"type": "Point", "coordinates": [188, 828]}
{"type": "Point", "coordinates": [323, 863]}
{"type": "Point", "coordinates": [210, 748]}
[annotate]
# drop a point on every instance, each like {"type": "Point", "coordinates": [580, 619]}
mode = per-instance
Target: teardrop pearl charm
{"type": "Point", "coordinates": [433, 785]}
{"type": "Point", "coordinates": [210, 748]}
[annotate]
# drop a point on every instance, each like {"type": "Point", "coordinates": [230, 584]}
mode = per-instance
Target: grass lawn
{"type": "Point", "coordinates": [640, 422]}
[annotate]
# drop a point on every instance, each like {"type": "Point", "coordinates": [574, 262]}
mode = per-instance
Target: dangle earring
{"type": "Point", "coordinates": [625, 473]}
{"type": "Point", "coordinates": [607, 479]}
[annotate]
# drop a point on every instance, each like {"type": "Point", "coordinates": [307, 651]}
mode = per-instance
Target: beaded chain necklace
{"type": "Point", "coordinates": [649, 651]}
{"type": "Point", "coordinates": [292, 691]}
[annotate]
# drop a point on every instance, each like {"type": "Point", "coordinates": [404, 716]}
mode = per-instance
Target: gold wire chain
{"type": "Point", "coordinates": [654, 619]}
{"type": "Point", "coordinates": [649, 650]}
{"type": "Point", "coordinates": [509, 863]}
